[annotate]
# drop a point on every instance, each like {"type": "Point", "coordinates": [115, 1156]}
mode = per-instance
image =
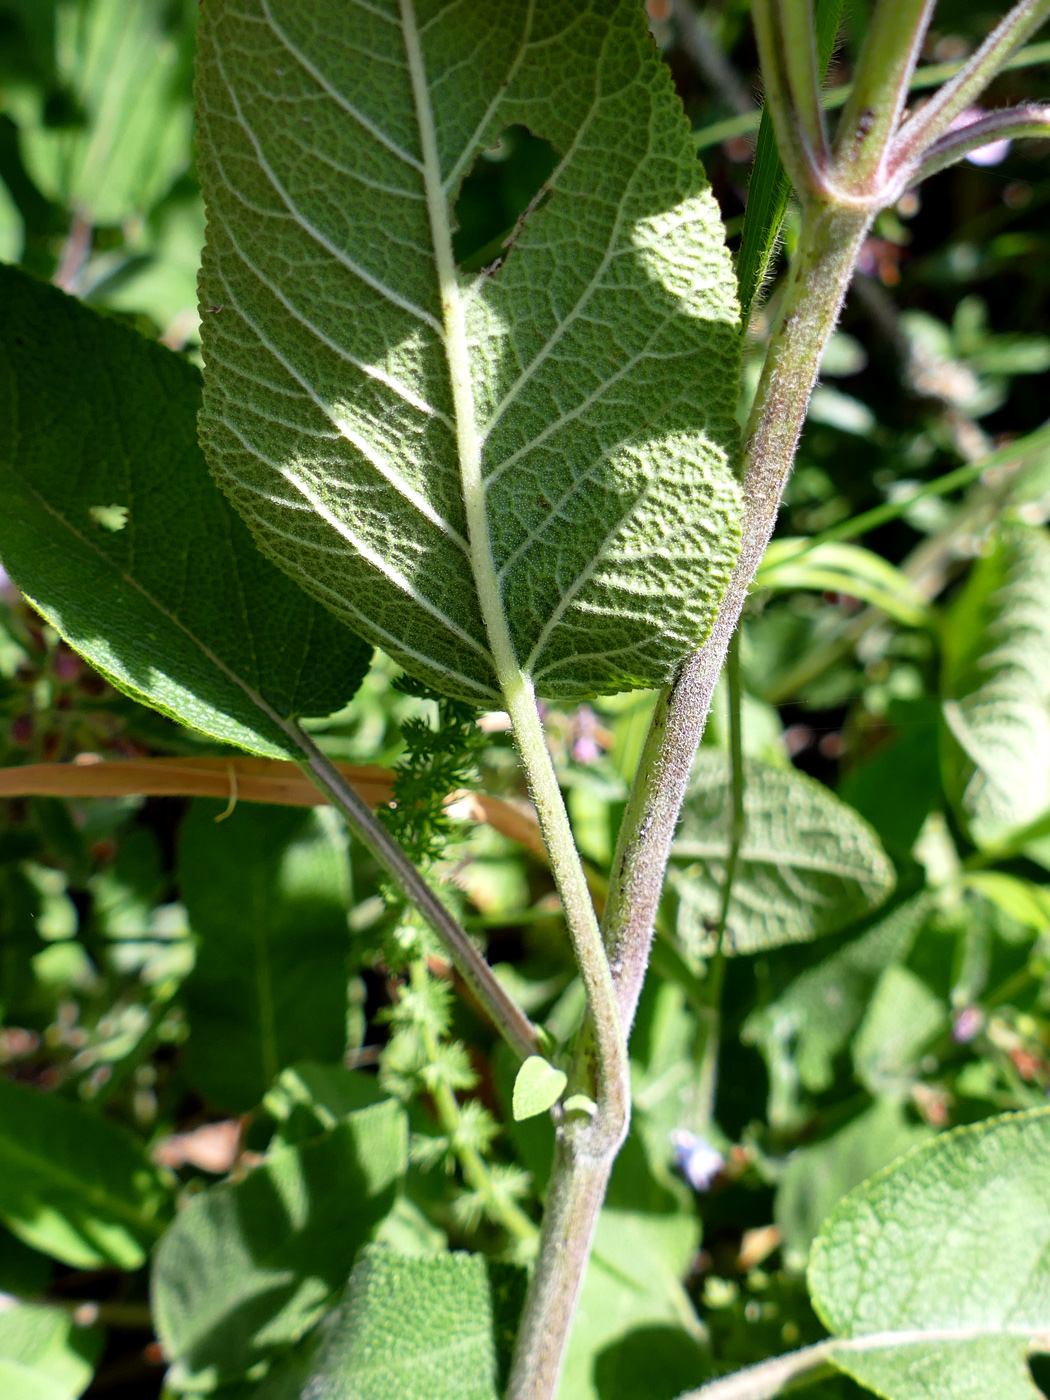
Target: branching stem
{"type": "Point", "coordinates": [611, 1089]}
{"type": "Point", "coordinates": [816, 285]}
{"type": "Point", "coordinates": [506, 1015]}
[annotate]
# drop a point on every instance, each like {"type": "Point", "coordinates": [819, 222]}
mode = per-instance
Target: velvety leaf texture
{"type": "Point", "coordinates": [249, 1266]}
{"type": "Point", "coordinates": [808, 863]}
{"type": "Point", "coordinates": [941, 1260]}
{"type": "Point", "coordinates": [410, 1328]}
{"type": "Point", "coordinates": [524, 470]}
{"type": "Point", "coordinates": [112, 527]}
{"type": "Point", "coordinates": [997, 687]}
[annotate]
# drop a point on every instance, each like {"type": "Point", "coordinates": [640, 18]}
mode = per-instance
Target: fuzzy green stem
{"type": "Point", "coordinates": [801, 160]}
{"type": "Point", "coordinates": [1007, 124]}
{"type": "Point", "coordinates": [574, 1201]}
{"type": "Point", "coordinates": [931, 122]}
{"type": "Point", "coordinates": [880, 87]}
{"type": "Point", "coordinates": [804, 73]}
{"type": "Point", "coordinates": [768, 1378]}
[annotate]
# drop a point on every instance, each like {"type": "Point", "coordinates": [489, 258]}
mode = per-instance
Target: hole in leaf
{"type": "Point", "coordinates": [1039, 1366]}
{"type": "Point", "coordinates": [112, 518]}
{"type": "Point", "coordinates": [505, 181]}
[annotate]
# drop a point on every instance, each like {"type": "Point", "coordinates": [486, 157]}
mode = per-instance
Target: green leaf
{"type": "Point", "coordinates": [816, 1178]}
{"type": "Point", "coordinates": [842, 568]}
{"type": "Point", "coordinates": [177, 607]}
{"type": "Point", "coordinates": [808, 864]}
{"type": "Point", "coordinates": [126, 71]}
{"type": "Point", "coordinates": [1023, 900]}
{"type": "Point", "coordinates": [996, 686]}
{"type": "Point", "coordinates": [309, 1098]}
{"type": "Point", "coordinates": [537, 1087]}
{"type": "Point", "coordinates": [249, 1267]}
{"type": "Point", "coordinates": [810, 1024]}
{"type": "Point", "coordinates": [937, 1267]}
{"type": "Point", "coordinates": [410, 1328]}
{"type": "Point", "coordinates": [267, 893]}
{"type": "Point", "coordinates": [634, 1315]}
{"type": "Point", "coordinates": [43, 1356]}
{"type": "Point", "coordinates": [74, 1185]}
{"type": "Point", "coordinates": [899, 784]}
{"type": "Point", "coordinates": [527, 470]}
{"type": "Point", "coordinates": [904, 1015]}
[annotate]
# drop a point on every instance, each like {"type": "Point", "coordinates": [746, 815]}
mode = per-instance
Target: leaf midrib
{"type": "Point", "coordinates": [457, 358]}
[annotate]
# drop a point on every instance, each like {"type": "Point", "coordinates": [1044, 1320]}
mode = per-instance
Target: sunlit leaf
{"type": "Point", "coordinates": [937, 1267]}
{"type": "Point", "coordinates": [842, 568]}
{"type": "Point", "coordinates": [44, 1355]}
{"type": "Point", "coordinates": [524, 470]}
{"type": "Point", "coordinates": [537, 1087]}
{"type": "Point", "coordinates": [808, 863]}
{"type": "Point", "coordinates": [125, 68]}
{"type": "Point", "coordinates": [996, 749]}
{"type": "Point", "coordinates": [74, 1185]}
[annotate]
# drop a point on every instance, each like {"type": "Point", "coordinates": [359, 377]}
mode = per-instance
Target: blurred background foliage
{"type": "Point", "coordinates": [193, 990]}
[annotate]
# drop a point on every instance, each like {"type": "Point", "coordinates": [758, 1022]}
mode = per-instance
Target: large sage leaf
{"type": "Point", "coordinates": [530, 469]}
{"type": "Point", "coordinates": [74, 1185]}
{"type": "Point", "coordinates": [996, 749]}
{"type": "Point", "coordinates": [249, 1266]}
{"type": "Point", "coordinates": [267, 894]}
{"type": "Point", "coordinates": [112, 527]}
{"type": "Point", "coordinates": [408, 1328]}
{"type": "Point", "coordinates": [808, 863]}
{"type": "Point", "coordinates": [937, 1268]}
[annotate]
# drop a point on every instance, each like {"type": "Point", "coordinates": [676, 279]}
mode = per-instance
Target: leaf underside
{"type": "Point", "coordinates": [942, 1260]}
{"type": "Point", "coordinates": [808, 863]}
{"type": "Point", "coordinates": [602, 355]}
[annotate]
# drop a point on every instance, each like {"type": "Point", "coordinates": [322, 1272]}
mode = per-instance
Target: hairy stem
{"type": "Point", "coordinates": [574, 1200]}
{"type": "Point", "coordinates": [1008, 124]}
{"type": "Point", "coordinates": [768, 1378]}
{"type": "Point", "coordinates": [820, 274]}
{"type": "Point", "coordinates": [796, 149]}
{"type": "Point", "coordinates": [880, 86]}
{"type": "Point", "coordinates": [516, 687]}
{"type": "Point", "coordinates": [506, 1015]}
{"type": "Point", "coordinates": [931, 122]}
{"type": "Point", "coordinates": [804, 74]}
